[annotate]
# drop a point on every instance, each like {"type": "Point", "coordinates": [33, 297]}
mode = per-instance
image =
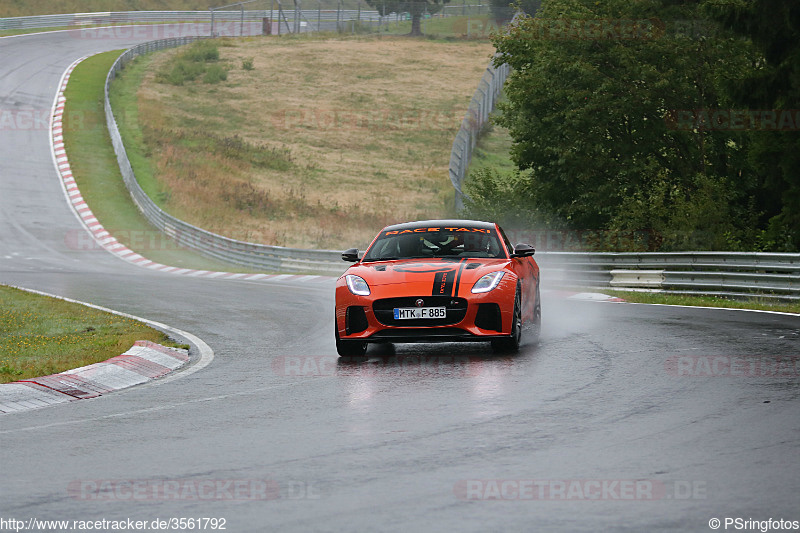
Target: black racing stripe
{"type": "Point", "coordinates": [443, 283]}
{"type": "Point", "coordinates": [461, 265]}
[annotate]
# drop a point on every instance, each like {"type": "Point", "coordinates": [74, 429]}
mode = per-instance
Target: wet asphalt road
{"type": "Point", "coordinates": [423, 438]}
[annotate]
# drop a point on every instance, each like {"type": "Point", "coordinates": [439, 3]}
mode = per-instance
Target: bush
{"type": "Point", "coordinates": [247, 63]}
{"type": "Point", "coordinates": [193, 63]}
{"type": "Point", "coordinates": [201, 52]}
{"type": "Point", "coordinates": [215, 74]}
{"type": "Point", "coordinates": [181, 72]}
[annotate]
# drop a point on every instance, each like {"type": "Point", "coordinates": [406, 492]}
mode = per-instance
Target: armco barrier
{"type": "Point", "coordinates": [739, 274]}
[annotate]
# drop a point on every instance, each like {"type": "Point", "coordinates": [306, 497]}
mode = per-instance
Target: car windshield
{"type": "Point", "coordinates": [428, 243]}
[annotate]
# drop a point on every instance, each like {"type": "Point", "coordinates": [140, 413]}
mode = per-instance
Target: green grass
{"type": "Point", "coordinates": [757, 303]}
{"type": "Point", "coordinates": [492, 150]}
{"type": "Point", "coordinates": [94, 166]}
{"type": "Point", "coordinates": [40, 335]}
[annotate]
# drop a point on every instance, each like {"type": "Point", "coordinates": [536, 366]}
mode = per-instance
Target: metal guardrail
{"type": "Point", "coordinates": [256, 256]}
{"type": "Point", "coordinates": [738, 274]}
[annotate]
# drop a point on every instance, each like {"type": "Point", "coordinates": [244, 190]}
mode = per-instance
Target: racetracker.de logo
{"type": "Point", "coordinates": [578, 490]}
{"type": "Point", "coordinates": [24, 119]}
{"type": "Point", "coordinates": [144, 490]}
{"type": "Point", "coordinates": [407, 365]}
{"type": "Point", "coordinates": [734, 119]}
{"type": "Point", "coordinates": [386, 119]}
{"type": "Point", "coordinates": [747, 366]}
{"type": "Point", "coordinates": [154, 32]}
{"type": "Point", "coordinates": [139, 240]}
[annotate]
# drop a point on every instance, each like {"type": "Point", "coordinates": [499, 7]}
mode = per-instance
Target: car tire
{"type": "Point", "coordinates": [349, 348]}
{"type": "Point", "coordinates": [511, 343]}
{"type": "Point", "coordinates": [536, 325]}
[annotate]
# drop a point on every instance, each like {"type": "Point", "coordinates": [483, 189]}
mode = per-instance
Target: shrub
{"type": "Point", "coordinates": [201, 51]}
{"type": "Point", "coordinates": [215, 74]}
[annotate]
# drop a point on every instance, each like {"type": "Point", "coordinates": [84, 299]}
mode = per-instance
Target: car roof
{"type": "Point", "coordinates": [453, 223]}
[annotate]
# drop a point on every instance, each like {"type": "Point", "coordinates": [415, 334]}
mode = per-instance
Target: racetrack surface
{"type": "Point", "coordinates": [409, 439]}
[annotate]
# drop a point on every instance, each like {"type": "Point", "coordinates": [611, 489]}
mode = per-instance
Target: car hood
{"type": "Point", "coordinates": [427, 276]}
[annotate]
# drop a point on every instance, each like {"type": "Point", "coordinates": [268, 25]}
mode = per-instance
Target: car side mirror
{"type": "Point", "coordinates": [351, 255]}
{"type": "Point", "coordinates": [523, 250]}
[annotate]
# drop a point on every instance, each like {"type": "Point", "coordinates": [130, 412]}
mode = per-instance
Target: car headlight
{"type": "Point", "coordinates": [357, 285]}
{"type": "Point", "coordinates": [487, 282]}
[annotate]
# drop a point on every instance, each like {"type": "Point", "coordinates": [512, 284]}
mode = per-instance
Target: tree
{"type": "Point", "coordinates": [592, 104]}
{"type": "Point", "coordinates": [416, 8]}
{"type": "Point", "coordinates": [772, 82]}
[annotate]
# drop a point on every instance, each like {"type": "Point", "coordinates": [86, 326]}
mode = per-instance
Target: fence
{"type": "Point", "coordinates": [480, 107]}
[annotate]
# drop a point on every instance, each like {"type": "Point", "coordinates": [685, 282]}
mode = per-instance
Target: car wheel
{"type": "Point", "coordinates": [511, 344]}
{"type": "Point", "coordinates": [349, 348]}
{"type": "Point", "coordinates": [536, 325]}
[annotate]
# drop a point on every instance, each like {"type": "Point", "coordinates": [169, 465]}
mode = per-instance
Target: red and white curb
{"type": "Point", "coordinates": [143, 362]}
{"type": "Point", "coordinates": [101, 236]}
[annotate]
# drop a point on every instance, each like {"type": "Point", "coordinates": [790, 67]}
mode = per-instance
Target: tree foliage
{"type": "Point", "coordinates": [773, 82]}
{"type": "Point", "coordinates": [594, 106]}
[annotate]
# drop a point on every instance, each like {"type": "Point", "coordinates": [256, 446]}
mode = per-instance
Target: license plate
{"type": "Point", "coordinates": [403, 313]}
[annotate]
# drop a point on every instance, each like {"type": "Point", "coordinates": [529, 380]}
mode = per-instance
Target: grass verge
{"type": "Point", "coordinates": [97, 174]}
{"type": "Point", "coordinates": [40, 335]}
{"type": "Point", "coordinates": [761, 304]}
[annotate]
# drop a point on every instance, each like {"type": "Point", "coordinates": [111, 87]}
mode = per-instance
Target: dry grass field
{"type": "Point", "coordinates": [319, 144]}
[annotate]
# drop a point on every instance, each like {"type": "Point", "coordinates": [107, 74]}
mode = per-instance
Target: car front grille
{"type": "Point", "coordinates": [456, 310]}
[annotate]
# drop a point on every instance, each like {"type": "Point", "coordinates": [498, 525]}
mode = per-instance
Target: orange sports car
{"type": "Point", "coordinates": [438, 281]}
